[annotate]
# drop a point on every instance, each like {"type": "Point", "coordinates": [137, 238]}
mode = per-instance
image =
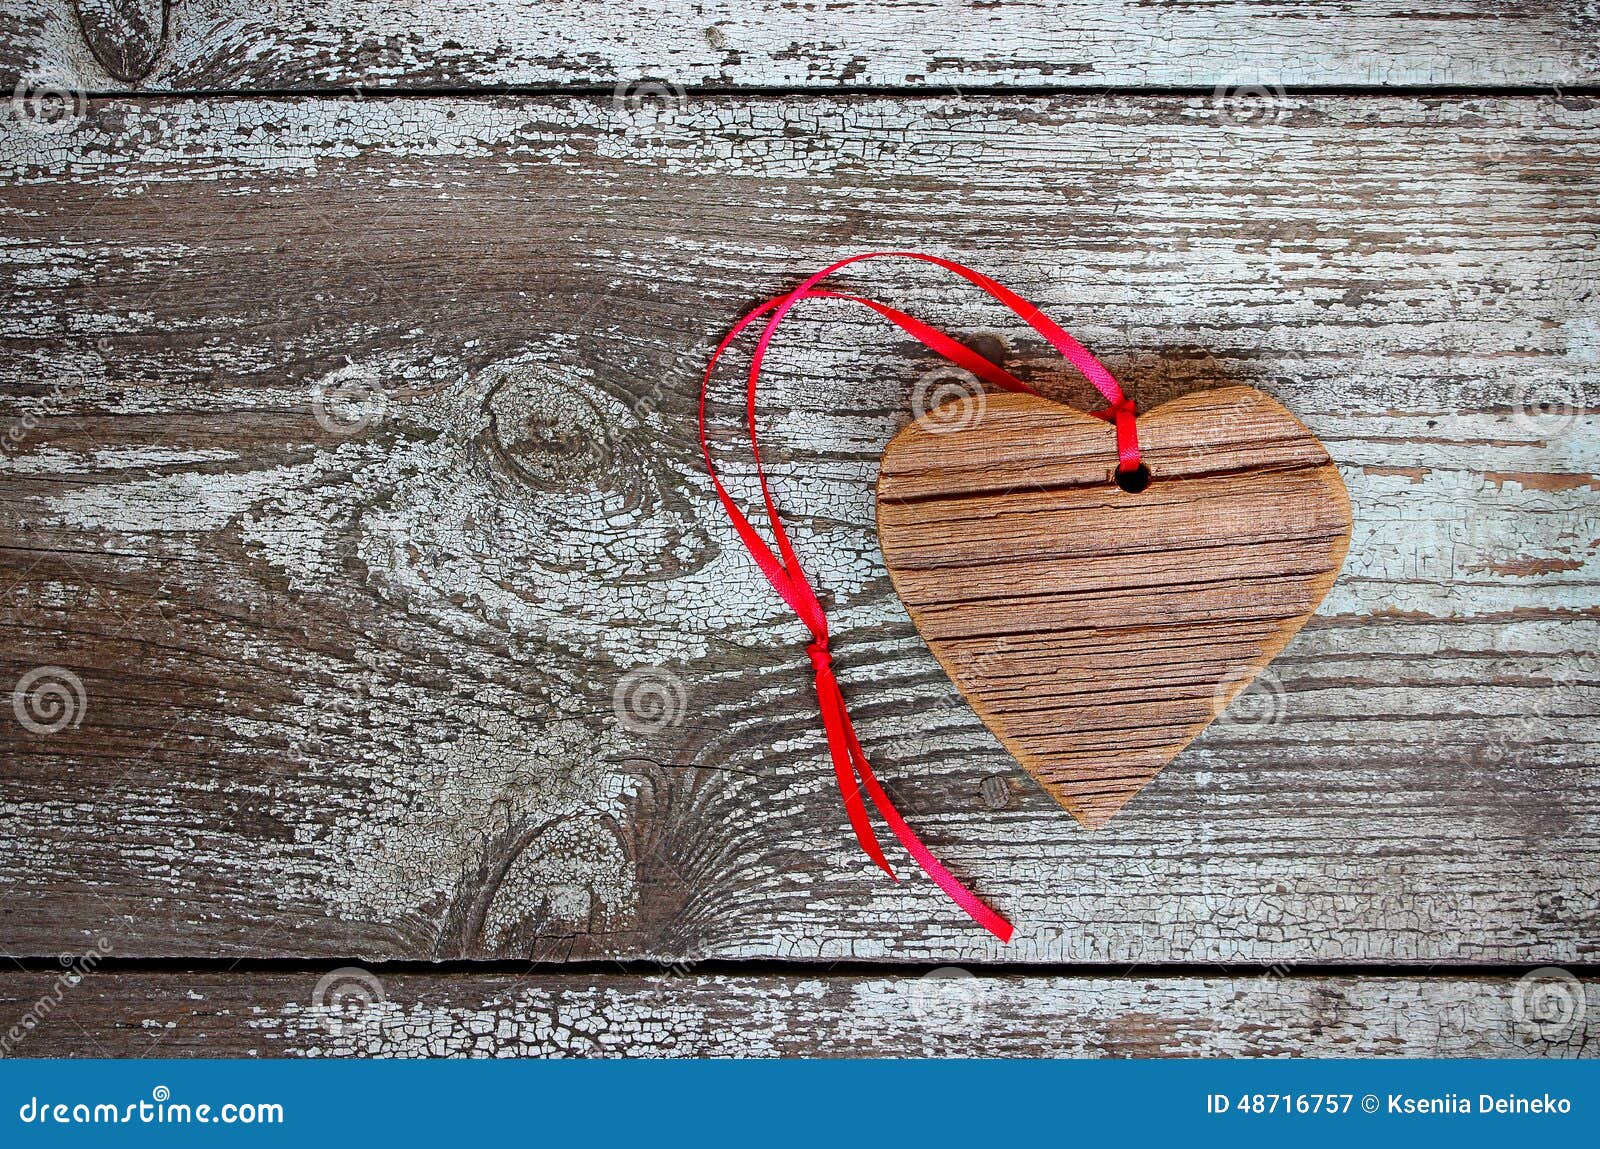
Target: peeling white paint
{"type": "Point", "coordinates": [521, 530]}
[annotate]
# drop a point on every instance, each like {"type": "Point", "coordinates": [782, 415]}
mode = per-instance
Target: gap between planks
{"type": "Point", "coordinates": [604, 93]}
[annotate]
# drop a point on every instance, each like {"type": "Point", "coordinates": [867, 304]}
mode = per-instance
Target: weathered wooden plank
{"type": "Point", "coordinates": [1245, 48]}
{"type": "Point", "coordinates": [949, 1012]}
{"type": "Point", "coordinates": [350, 470]}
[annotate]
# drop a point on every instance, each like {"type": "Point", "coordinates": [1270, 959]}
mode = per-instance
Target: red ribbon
{"type": "Point", "coordinates": [783, 570]}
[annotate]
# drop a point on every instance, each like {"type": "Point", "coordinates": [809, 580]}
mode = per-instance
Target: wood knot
{"type": "Point", "coordinates": [125, 36]}
{"type": "Point", "coordinates": [550, 433]}
{"type": "Point", "coordinates": [996, 791]}
{"type": "Point", "coordinates": [569, 454]}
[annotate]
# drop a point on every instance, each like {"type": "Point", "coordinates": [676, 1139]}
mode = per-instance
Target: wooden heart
{"type": "Point", "coordinates": [1096, 631]}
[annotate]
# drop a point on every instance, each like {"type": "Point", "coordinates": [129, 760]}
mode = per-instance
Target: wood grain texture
{"type": "Point", "coordinates": [1096, 630]}
{"type": "Point", "coordinates": [951, 1012]}
{"type": "Point", "coordinates": [1245, 47]}
{"type": "Point", "coordinates": [349, 466]}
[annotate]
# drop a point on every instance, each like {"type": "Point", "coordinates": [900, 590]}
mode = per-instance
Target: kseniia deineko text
{"type": "Point", "coordinates": [1467, 1104]}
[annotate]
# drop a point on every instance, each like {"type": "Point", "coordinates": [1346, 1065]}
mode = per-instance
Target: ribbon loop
{"type": "Point", "coordinates": [782, 568]}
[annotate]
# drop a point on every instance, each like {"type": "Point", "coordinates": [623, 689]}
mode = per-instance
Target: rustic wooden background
{"type": "Point", "coordinates": [412, 698]}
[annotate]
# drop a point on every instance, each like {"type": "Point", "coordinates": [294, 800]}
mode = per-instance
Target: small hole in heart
{"type": "Point", "coordinates": [1135, 480]}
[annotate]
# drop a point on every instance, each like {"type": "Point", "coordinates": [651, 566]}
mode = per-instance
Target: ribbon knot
{"type": "Point", "coordinates": [821, 657]}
